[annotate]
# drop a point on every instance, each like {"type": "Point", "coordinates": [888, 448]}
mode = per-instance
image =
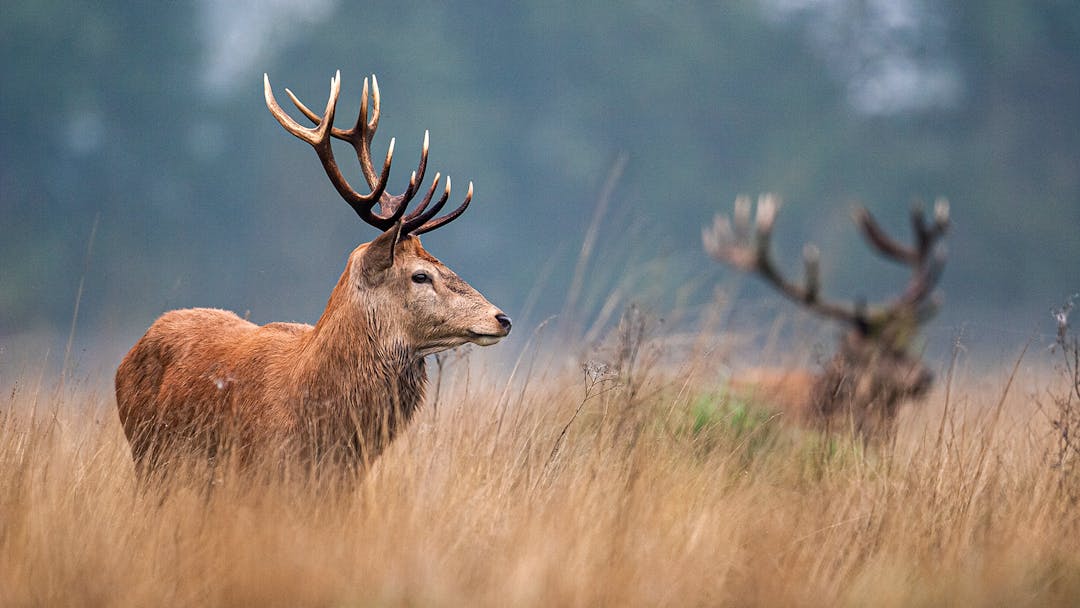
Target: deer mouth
{"type": "Point", "coordinates": [484, 339]}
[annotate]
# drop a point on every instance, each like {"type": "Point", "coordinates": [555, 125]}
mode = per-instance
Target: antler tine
{"type": "Point", "coordinates": [417, 216]}
{"type": "Point", "coordinates": [319, 138]}
{"type": "Point", "coordinates": [924, 280]}
{"type": "Point", "coordinates": [884, 243]}
{"type": "Point", "coordinates": [430, 225]}
{"type": "Point", "coordinates": [391, 203]}
{"type": "Point", "coordinates": [929, 235]}
{"type": "Point", "coordinates": [735, 246]}
{"type": "Point", "coordinates": [419, 209]}
{"type": "Point", "coordinates": [941, 213]}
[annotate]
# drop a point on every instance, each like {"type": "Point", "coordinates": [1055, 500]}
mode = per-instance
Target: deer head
{"type": "Point", "coordinates": [876, 366]}
{"type": "Point", "coordinates": [414, 299]}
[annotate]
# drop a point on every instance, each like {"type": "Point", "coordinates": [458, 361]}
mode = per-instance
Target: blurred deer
{"type": "Point", "coordinates": [202, 379]}
{"type": "Point", "coordinates": [875, 368]}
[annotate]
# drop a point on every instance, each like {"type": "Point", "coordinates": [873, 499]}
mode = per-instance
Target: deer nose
{"type": "Point", "coordinates": [504, 322]}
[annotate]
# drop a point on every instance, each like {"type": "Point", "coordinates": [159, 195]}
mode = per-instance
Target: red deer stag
{"type": "Point", "coordinates": [874, 368]}
{"type": "Point", "coordinates": [201, 379]}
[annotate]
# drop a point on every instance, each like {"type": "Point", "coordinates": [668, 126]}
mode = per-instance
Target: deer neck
{"type": "Point", "coordinates": [851, 384]}
{"type": "Point", "coordinates": [833, 385]}
{"type": "Point", "coordinates": [357, 364]}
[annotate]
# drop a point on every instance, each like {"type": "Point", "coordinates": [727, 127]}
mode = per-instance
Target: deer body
{"type": "Point", "coordinates": [860, 388]}
{"type": "Point", "coordinates": [789, 391]}
{"type": "Point", "coordinates": [202, 379]}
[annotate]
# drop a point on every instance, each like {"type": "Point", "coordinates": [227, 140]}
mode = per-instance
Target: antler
{"type": "Point", "coordinates": [734, 243]}
{"type": "Point", "coordinates": [391, 207]}
{"type": "Point", "coordinates": [926, 256]}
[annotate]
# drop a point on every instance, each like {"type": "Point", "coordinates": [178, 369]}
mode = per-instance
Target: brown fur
{"type": "Point", "coordinates": [202, 379]}
{"type": "Point", "coordinates": [860, 389]}
{"type": "Point", "coordinates": [787, 391]}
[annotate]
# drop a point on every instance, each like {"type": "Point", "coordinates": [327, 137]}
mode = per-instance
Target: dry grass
{"type": "Point", "coordinates": [659, 491]}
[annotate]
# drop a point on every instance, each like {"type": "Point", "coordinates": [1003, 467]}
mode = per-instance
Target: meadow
{"type": "Point", "coordinates": [621, 473]}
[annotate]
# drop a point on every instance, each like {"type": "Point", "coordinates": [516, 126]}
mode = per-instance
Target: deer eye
{"type": "Point", "coordinates": [421, 277]}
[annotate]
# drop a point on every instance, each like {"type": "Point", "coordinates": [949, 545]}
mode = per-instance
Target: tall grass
{"type": "Point", "coordinates": [627, 478]}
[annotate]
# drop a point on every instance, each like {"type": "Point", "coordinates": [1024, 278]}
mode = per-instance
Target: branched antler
{"type": "Point", "coordinates": [736, 243]}
{"type": "Point", "coordinates": [391, 207]}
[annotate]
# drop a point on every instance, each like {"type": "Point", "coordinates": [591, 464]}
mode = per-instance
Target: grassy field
{"type": "Point", "coordinates": [631, 479]}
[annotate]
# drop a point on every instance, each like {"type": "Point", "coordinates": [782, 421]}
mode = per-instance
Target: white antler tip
{"type": "Point", "coordinates": [722, 226]}
{"type": "Point", "coordinates": [941, 210]}
{"type": "Point", "coordinates": [710, 239]}
{"type": "Point", "coordinates": [767, 207]}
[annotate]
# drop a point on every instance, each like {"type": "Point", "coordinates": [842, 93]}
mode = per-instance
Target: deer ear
{"type": "Point", "coordinates": [379, 255]}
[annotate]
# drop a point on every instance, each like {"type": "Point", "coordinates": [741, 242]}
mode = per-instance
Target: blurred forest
{"type": "Point", "coordinates": [140, 167]}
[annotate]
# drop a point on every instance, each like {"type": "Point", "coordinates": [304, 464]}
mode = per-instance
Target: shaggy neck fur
{"type": "Point", "coordinates": [356, 376]}
{"type": "Point", "coordinates": [863, 386]}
